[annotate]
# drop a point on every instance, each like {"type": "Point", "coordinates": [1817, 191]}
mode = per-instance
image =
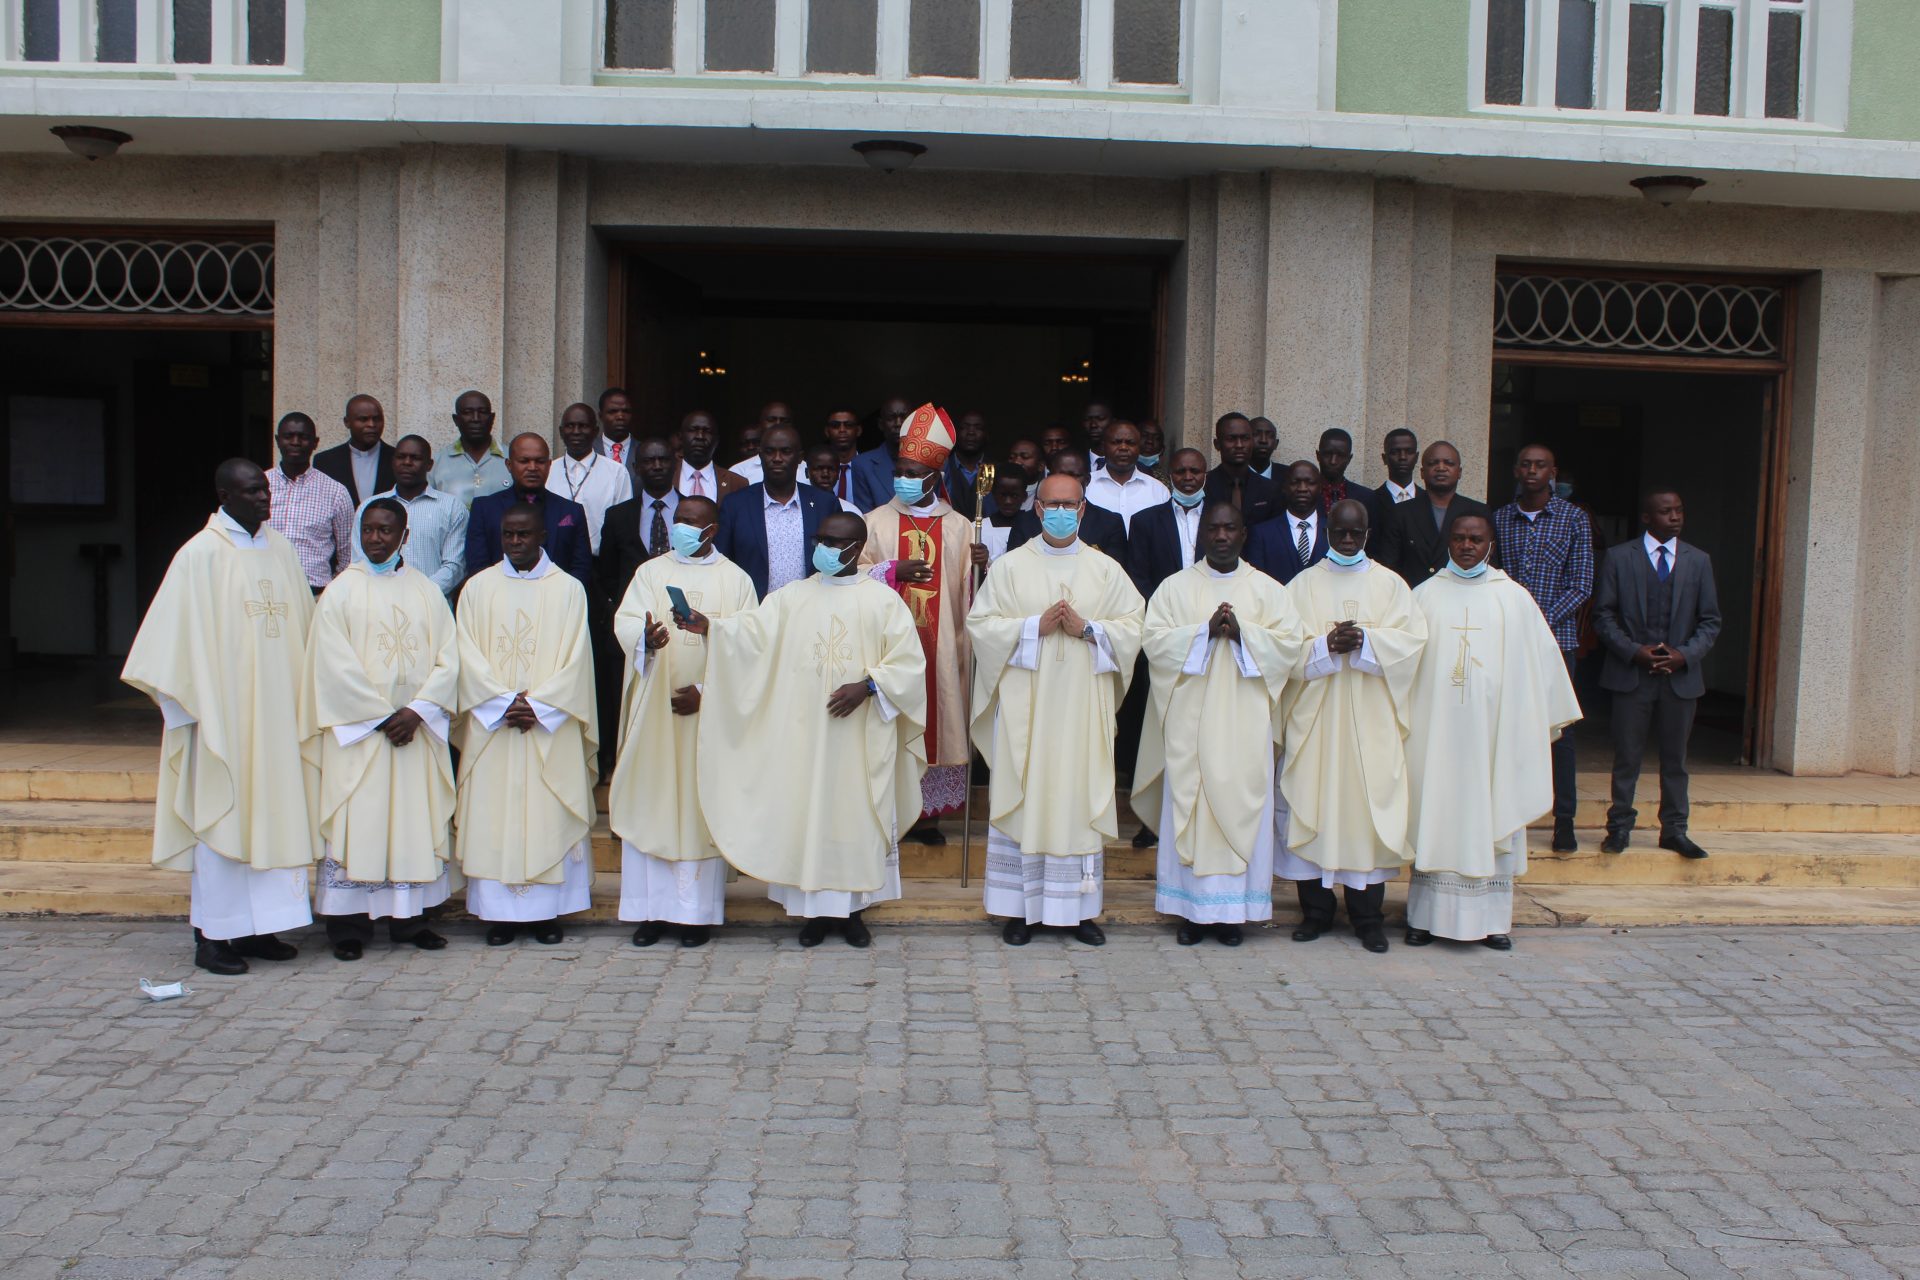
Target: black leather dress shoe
{"type": "Point", "coordinates": [1497, 942]}
{"type": "Point", "coordinates": [1680, 844]}
{"type": "Point", "coordinates": [814, 932]}
{"type": "Point", "coordinates": [695, 935]}
{"type": "Point", "coordinates": [1617, 841]}
{"type": "Point", "coordinates": [1308, 930]}
{"type": "Point", "coordinates": [500, 935]}
{"type": "Point", "coordinates": [856, 933]}
{"type": "Point", "coordinates": [264, 946]}
{"type": "Point", "coordinates": [1189, 933]}
{"type": "Point", "coordinates": [347, 949]}
{"type": "Point", "coordinates": [1090, 933]}
{"type": "Point", "coordinates": [1563, 839]}
{"type": "Point", "coordinates": [1419, 937]}
{"type": "Point", "coordinates": [648, 933]}
{"type": "Point", "coordinates": [1016, 933]}
{"type": "Point", "coordinates": [1373, 938]}
{"type": "Point", "coordinates": [548, 933]}
{"type": "Point", "coordinates": [428, 940]}
{"type": "Point", "coordinates": [1145, 839]}
{"type": "Point", "coordinates": [1229, 934]}
{"type": "Point", "coordinates": [217, 957]}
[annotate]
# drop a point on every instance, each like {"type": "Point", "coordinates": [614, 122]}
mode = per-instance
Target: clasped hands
{"type": "Point", "coordinates": [1223, 623]}
{"type": "Point", "coordinates": [1659, 659]}
{"type": "Point", "coordinates": [1061, 617]}
{"type": "Point", "coordinates": [1345, 638]}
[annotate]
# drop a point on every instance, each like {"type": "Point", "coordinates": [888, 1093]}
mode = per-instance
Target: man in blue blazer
{"type": "Point", "coordinates": [1163, 540]}
{"type": "Point", "coordinates": [1274, 546]}
{"type": "Point", "coordinates": [1657, 613]}
{"type": "Point", "coordinates": [569, 544]}
{"type": "Point", "coordinates": [873, 468]}
{"type": "Point", "coordinates": [768, 528]}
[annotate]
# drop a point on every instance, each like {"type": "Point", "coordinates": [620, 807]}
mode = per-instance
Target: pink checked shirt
{"type": "Point", "coordinates": [314, 513]}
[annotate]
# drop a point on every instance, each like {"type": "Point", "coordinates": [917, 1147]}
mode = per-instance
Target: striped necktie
{"type": "Point", "coordinates": [1305, 545]}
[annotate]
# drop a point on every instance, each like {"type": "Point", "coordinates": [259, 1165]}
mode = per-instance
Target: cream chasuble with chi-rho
{"type": "Point", "coordinates": [380, 642]}
{"type": "Point", "coordinates": [225, 638]}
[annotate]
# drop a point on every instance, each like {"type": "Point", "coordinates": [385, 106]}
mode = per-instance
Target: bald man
{"type": "Point", "coordinates": [569, 541]}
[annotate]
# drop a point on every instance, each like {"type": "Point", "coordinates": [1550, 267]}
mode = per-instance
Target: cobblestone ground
{"type": "Point", "coordinates": [1689, 1102]}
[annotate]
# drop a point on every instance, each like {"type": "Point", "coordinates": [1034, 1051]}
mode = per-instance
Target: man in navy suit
{"type": "Point", "coordinates": [568, 542]}
{"type": "Point", "coordinates": [1274, 548]}
{"type": "Point", "coordinates": [768, 529]}
{"type": "Point", "coordinates": [364, 464]}
{"type": "Point", "coordinates": [1657, 612]}
{"type": "Point", "coordinates": [1257, 497]}
{"type": "Point", "coordinates": [873, 469]}
{"type": "Point", "coordinates": [1163, 539]}
{"type": "Point", "coordinates": [1101, 529]}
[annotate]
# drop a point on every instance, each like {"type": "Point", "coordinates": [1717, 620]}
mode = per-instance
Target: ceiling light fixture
{"type": "Point", "coordinates": [1669, 189]}
{"type": "Point", "coordinates": [90, 141]}
{"type": "Point", "coordinates": [889, 154]}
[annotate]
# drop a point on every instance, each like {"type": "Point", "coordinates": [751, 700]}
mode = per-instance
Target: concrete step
{"type": "Point", "coordinates": [90, 890]}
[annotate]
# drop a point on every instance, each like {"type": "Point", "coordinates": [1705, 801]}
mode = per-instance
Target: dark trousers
{"type": "Point", "coordinates": [1365, 907]}
{"type": "Point", "coordinates": [1563, 766]}
{"type": "Point", "coordinates": [608, 669]}
{"type": "Point", "coordinates": [1653, 705]}
{"type": "Point", "coordinates": [1131, 715]}
{"type": "Point", "coordinates": [359, 928]}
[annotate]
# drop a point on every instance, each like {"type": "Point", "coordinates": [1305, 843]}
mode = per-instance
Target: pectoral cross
{"type": "Point", "coordinates": [1465, 659]}
{"type": "Point", "coordinates": [397, 643]}
{"type": "Point", "coordinates": [269, 608]}
{"type": "Point", "coordinates": [832, 650]}
{"type": "Point", "coordinates": [515, 649]}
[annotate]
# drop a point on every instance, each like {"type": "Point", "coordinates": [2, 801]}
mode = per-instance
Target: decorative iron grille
{"type": "Point", "coordinates": [1663, 317]}
{"type": "Point", "coordinates": [123, 275]}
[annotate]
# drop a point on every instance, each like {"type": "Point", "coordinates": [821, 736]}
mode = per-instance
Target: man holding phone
{"type": "Point", "coordinates": [670, 871]}
{"type": "Point", "coordinates": [1657, 612]}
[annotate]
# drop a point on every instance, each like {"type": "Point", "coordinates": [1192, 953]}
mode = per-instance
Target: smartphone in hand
{"type": "Point", "coordinates": [678, 598]}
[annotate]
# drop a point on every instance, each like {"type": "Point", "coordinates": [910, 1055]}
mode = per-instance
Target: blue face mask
{"type": "Point", "coordinates": [1345, 561]}
{"type": "Point", "coordinates": [1060, 523]}
{"type": "Point", "coordinates": [827, 560]}
{"type": "Point", "coordinates": [1454, 568]}
{"type": "Point", "coordinates": [1148, 461]}
{"type": "Point", "coordinates": [686, 539]}
{"type": "Point", "coordinates": [1190, 500]}
{"type": "Point", "coordinates": [909, 491]}
{"type": "Point", "coordinates": [382, 568]}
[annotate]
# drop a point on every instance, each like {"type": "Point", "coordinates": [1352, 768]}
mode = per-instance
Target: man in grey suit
{"type": "Point", "coordinates": [1657, 613]}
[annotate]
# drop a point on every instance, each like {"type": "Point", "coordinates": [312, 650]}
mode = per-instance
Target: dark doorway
{"type": "Point", "coordinates": [1027, 338]}
{"type": "Point", "coordinates": [1616, 432]}
{"type": "Point", "coordinates": [174, 402]}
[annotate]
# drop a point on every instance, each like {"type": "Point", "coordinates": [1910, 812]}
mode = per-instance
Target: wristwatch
{"type": "Point", "coordinates": [1086, 632]}
{"type": "Point", "coordinates": [871, 687]}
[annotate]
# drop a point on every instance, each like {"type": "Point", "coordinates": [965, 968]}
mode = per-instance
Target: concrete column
{"type": "Point", "coordinates": [451, 284]}
{"type": "Point", "coordinates": [1218, 333]}
{"type": "Point", "coordinates": [376, 275]}
{"type": "Point", "coordinates": [1825, 578]}
{"type": "Point", "coordinates": [532, 397]}
{"type": "Point", "coordinates": [297, 293]}
{"type": "Point", "coordinates": [337, 210]}
{"type": "Point", "coordinates": [1320, 283]}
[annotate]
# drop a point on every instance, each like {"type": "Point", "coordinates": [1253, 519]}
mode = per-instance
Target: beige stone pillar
{"type": "Point", "coordinates": [1320, 282]}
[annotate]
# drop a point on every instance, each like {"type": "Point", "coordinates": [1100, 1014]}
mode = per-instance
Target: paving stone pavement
{"type": "Point", "coordinates": [1686, 1102]}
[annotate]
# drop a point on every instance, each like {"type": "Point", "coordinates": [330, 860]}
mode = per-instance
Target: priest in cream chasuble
{"type": "Point", "coordinates": [219, 652]}
{"type": "Point", "coordinates": [813, 737]}
{"type": "Point", "coordinates": [1056, 628]}
{"type": "Point", "coordinates": [527, 738]}
{"type": "Point", "coordinates": [1490, 696]}
{"type": "Point", "coordinates": [376, 702]}
{"type": "Point", "coordinates": [1343, 779]}
{"type": "Point", "coordinates": [670, 870]}
{"type": "Point", "coordinates": [1222, 641]}
{"type": "Point", "coordinates": [924, 547]}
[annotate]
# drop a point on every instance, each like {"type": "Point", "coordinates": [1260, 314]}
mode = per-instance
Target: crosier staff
{"type": "Point", "coordinates": [982, 488]}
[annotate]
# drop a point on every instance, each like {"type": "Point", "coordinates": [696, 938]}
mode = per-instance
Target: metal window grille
{"type": "Point", "coordinates": [1647, 317]}
{"type": "Point", "coordinates": [121, 275]}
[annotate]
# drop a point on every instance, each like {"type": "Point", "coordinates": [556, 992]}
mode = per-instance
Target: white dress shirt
{"type": "Point", "coordinates": [1653, 544]}
{"type": "Point", "coordinates": [709, 483]}
{"type": "Point", "coordinates": [1186, 524]}
{"type": "Point", "coordinates": [1139, 492]}
{"type": "Point", "coordinates": [1293, 522]}
{"type": "Point", "coordinates": [1397, 493]}
{"type": "Point", "coordinates": [366, 468]}
{"type": "Point", "coordinates": [594, 482]}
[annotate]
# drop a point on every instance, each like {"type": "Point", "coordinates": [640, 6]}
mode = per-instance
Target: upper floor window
{"type": "Point", "coordinates": [1747, 60]}
{"type": "Point", "coordinates": [189, 34]}
{"type": "Point", "coordinates": [1089, 44]}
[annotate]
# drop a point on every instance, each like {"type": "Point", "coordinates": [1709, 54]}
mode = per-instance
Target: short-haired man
{"type": "Point", "coordinates": [310, 510]}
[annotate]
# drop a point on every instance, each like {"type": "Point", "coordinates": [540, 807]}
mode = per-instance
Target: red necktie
{"type": "Point", "coordinates": [615, 450]}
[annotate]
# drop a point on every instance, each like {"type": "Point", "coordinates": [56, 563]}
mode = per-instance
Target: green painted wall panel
{"type": "Point", "coordinates": [1403, 57]}
{"type": "Point", "coordinates": [373, 41]}
{"type": "Point", "coordinates": [1885, 93]}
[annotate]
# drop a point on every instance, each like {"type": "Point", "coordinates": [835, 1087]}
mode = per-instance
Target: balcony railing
{"type": "Point", "coordinates": [1131, 45]}
{"type": "Point", "coordinates": [177, 35]}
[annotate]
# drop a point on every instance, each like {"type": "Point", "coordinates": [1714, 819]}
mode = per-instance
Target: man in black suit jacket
{"type": "Point", "coordinates": [1412, 538]}
{"type": "Point", "coordinates": [1101, 529]}
{"type": "Point", "coordinates": [366, 422]}
{"type": "Point", "coordinates": [628, 533]}
{"type": "Point", "coordinates": [1274, 547]}
{"type": "Point", "coordinates": [1258, 498]}
{"type": "Point", "coordinates": [1335, 453]}
{"type": "Point", "coordinates": [568, 543]}
{"type": "Point", "coordinates": [1163, 539]}
{"type": "Point", "coordinates": [743, 515]}
{"type": "Point", "coordinates": [1657, 613]}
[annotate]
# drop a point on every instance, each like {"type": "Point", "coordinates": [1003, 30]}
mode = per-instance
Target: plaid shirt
{"type": "Point", "coordinates": [1550, 555]}
{"type": "Point", "coordinates": [314, 513]}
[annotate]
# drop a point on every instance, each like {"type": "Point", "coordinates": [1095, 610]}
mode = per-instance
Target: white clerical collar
{"type": "Point", "coordinates": [1337, 567]}
{"type": "Point", "coordinates": [365, 453]}
{"type": "Point", "coordinates": [711, 556]}
{"type": "Point", "coordinates": [237, 532]}
{"type": "Point", "coordinates": [539, 570]}
{"type": "Point", "coordinates": [840, 579]}
{"type": "Point", "coordinates": [1215, 573]}
{"type": "Point", "coordinates": [1047, 548]}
